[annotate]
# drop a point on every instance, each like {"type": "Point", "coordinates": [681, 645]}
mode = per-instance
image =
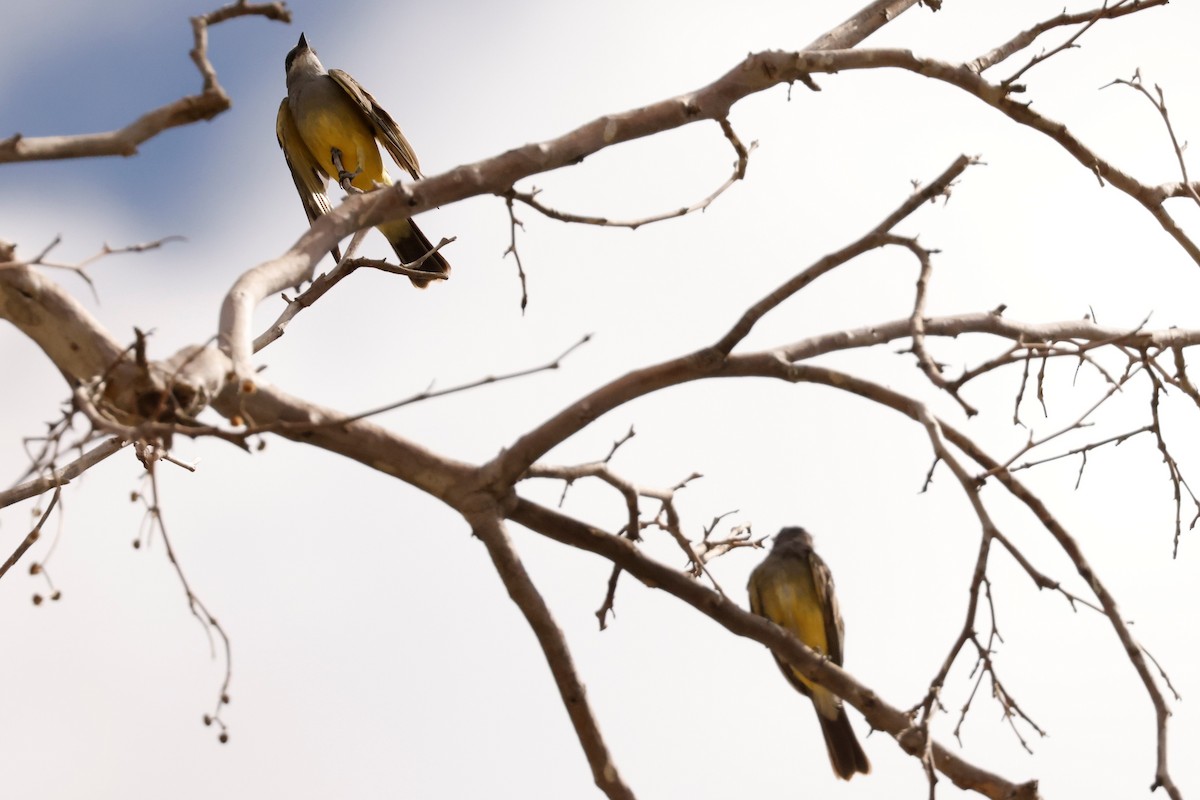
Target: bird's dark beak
{"type": "Point", "coordinates": [303, 42]}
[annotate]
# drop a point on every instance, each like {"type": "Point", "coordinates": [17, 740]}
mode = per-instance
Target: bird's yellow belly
{"type": "Point", "coordinates": [324, 129]}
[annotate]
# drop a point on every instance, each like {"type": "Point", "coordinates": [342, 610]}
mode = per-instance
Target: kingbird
{"type": "Point", "coordinates": [327, 117]}
{"type": "Point", "coordinates": [792, 587]}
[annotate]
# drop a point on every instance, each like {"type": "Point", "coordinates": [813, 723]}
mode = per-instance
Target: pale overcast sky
{"type": "Point", "coordinates": [375, 651]}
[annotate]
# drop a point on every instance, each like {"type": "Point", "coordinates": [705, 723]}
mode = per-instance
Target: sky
{"type": "Point", "coordinates": [375, 652]}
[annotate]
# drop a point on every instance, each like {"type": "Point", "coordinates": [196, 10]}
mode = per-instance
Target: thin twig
{"type": "Point", "coordinates": [150, 455]}
{"type": "Point", "coordinates": [1097, 15]}
{"type": "Point", "coordinates": [739, 173]}
{"type": "Point", "coordinates": [63, 475]}
{"type": "Point", "coordinates": [32, 536]}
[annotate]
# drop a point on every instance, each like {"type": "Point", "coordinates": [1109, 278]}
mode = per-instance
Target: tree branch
{"type": "Point", "coordinates": [488, 526]}
{"type": "Point", "coordinates": [124, 142]}
{"type": "Point", "coordinates": [1028, 37]}
{"type": "Point", "coordinates": [63, 475]}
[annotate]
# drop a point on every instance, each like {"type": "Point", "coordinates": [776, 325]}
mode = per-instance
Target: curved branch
{"type": "Point", "coordinates": [739, 173]}
{"type": "Point", "coordinates": [878, 236]}
{"type": "Point", "coordinates": [124, 142]}
{"type": "Point", "coordinates": [57, 323]}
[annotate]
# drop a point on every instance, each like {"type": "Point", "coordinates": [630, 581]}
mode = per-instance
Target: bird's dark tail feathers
{"type": "Point", "coordinates": [845, 753]}
{"type": "Point", "coordinates": [410, 244]}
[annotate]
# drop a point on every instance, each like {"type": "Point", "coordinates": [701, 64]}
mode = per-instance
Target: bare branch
{"type": "Point", "coordinates": [32, 536]}
{"type": "Point", "coordinates": [487, 525]}
{"type": "Point", "coordinates": [57, 323]}
{"type": "Point", "coordinates": [63, 475]}
{"type": "Point", "coordinates": [515, 223]}
{"type": "Point", "coordinates": [984, 663]}
{"type": "Point", "coordinates": [667, 519]}
{"type": "Point", "coordinates": [739, 173]}
{"type": "Point", "coordinates": [323, 283]}
{"type": "Point", "coordinates": [740, 536]}
{"type": "Point", "coordinates": [80, 269]}
{"type": "Point", "coordinates": [1041, 580]}
{"type": "Point", "coordinates": [932, 369]}
{"type": "Point", "coordinates": [1082, 450]}
{"type": "Point", "coordinates": [184, 111]}
{"type": "Point", "coordinates": [428, 394]}
{"type": "Point", "coordinates": [868, 20]}
{"type": "Point", "coordinates": [1099, 14]}
{"type": "Point", "coordinates": [879, 236]}
{"type": "Point", "coordinates": [1028, 37]}
{"type": "Point", "coordinates": [150, 455]}
{"type": "Point", "coordinates": [1160, 105]}
{"type": "Point", "coordinates": [411, 269]}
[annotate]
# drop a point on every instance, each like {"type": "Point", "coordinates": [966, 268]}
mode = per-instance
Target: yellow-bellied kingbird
{"type": "Point", "coordinates": [792, 587]}
{"type": "Point", "coordinates": [328, 113]}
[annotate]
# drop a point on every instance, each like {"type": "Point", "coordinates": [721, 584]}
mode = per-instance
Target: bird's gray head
{"type": "Point", "coordinates": [788, 536]}
{"type": "Point", "coordinates": [302, 60]}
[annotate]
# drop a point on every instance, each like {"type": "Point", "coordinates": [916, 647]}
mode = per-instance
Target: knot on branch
{"type": "Point", "coordinates": [142, 400]}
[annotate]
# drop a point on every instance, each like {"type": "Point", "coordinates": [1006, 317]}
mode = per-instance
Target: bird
{"type": "Point", "coordinates": [793, 588]}
{"type": "Point", "coordinates": [327, 127]}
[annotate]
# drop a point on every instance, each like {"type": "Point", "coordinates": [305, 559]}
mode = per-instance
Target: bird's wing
{"type": "Point", "coordinates": [773, 595]}
{"type": "Point", "coordinates": [823, 583]}
{"type": "Point", "coordinates": [306, 173]}
{"type": "Point", "coordinates": [756, 603]}
{"type": "Point", "coordinates": [386, 129]}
